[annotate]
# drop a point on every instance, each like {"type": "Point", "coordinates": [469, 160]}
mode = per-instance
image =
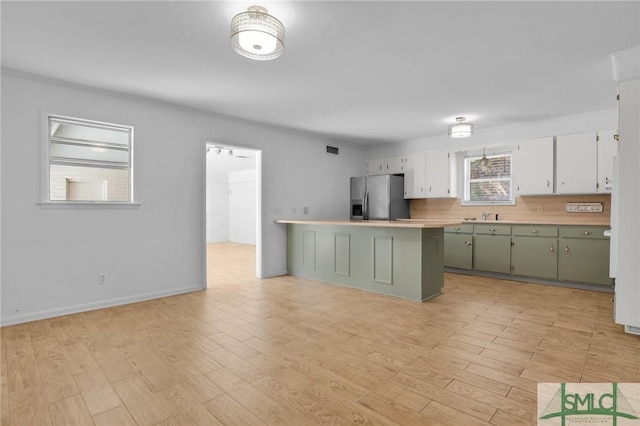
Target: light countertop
{"type": "Point", "coordinates": [556, 222]}
{"type": "Point", "coordinates": [422, 223]}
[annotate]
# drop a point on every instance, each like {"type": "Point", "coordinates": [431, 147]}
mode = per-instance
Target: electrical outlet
{"type": "Point", "coordinates": [102, 278]}
{"type": "Point", "coordinates": [539, 209]}
{"type": "Point", "coordinates": [305, 210]}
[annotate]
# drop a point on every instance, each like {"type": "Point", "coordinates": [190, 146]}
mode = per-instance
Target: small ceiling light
{"type": "Point", "coordinates": [257, 35]}
{"type": "Point", "coordinates": [461, 129]}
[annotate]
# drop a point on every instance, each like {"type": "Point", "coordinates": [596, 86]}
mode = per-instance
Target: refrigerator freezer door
{"type": "Point", "coordinates": [378, 190]}
{"type": "Point", "coordinates": [358, 191]}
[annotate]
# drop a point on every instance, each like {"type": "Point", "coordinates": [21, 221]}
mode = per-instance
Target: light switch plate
{"type": "Point", "coordinates": [584, 207]}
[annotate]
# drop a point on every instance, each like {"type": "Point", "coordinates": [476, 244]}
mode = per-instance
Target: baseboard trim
{"type": "Point", "coordinates": [67, 310]}
{"type": "Point", "coordinates": [272, 274]}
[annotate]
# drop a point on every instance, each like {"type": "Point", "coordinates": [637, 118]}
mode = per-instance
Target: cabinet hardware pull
{"type": "Point", "coordinates": [492, 229]}
{"type": "Point", "coordinates": [566, 249]}
{"type": "Point", "coordinates": [457, 228]}
{"type": "Point", "coordinates": [534, 231]}
{"type": "Point", "coordinates": [587, 233]}
{"type": "Point", "coordinates": [552, 249]}
{"type": "Point", "coordinates": [467, 243]}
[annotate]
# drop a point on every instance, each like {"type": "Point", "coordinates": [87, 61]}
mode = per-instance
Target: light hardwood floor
{"type": "Point", "coordinates": [290, 351]}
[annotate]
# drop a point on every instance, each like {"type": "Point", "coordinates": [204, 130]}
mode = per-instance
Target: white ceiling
{"type": "Point", "coordinates": [365, 72]}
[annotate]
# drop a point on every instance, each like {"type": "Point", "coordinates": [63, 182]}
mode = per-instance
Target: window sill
{"type": "Point", "coordinates": [87, 204]}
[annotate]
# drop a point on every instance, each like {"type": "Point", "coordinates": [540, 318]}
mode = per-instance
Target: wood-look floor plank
{"type": "Point", "coordinates": [231, 413]}
{"type": "Point", "coordinates": [70, 411]}
{"type": "Point", "coordinates": [116, 416]}
{"type": "Point", "coordinates": [29, 407]}
{"type": "Point", "coordinates": [144, 405]}
{"type": "Point", "coordinates": [188, 410]}
{"type": "Point", "coordinates": [22, 373]}
{"type": "Point", "coordinates": [449, 416]}
{"type": "Point", "coordinates": [97, 392]}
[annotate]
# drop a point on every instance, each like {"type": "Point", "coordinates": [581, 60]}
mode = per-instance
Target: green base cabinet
{"type": "Point", "coordinates": [534, 251]}
{"type": "Point", "coordinates": [584, 255]}
{"type": "Point", "coordinates": [402, 262]}
{"type": "Point", "coordinates": [458, 247]}
{"type": "Point", "coordinates": [492, 248]}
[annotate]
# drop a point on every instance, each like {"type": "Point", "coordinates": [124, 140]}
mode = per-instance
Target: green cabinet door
{"type": "Point", "coordinates": [492, 253]}
{"type": "Point", "coordinates": [458, 250]}
{"type": "Point", "coordinates": [584, 260]}
{"type": "Point", "coordinates": [534, 257]}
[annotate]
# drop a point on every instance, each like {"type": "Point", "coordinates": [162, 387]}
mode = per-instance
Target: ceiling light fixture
{"type": "Point", "coordinates": [461, 129]}
{"type": "Point", "coordinates": [257, 35]}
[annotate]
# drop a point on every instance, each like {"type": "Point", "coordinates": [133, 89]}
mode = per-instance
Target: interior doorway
{"type": "Point", "coordinates": [232, 214]}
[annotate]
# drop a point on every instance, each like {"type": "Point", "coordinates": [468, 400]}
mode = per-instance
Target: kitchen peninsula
{"type": "Point", "coordinates": [397, 258]}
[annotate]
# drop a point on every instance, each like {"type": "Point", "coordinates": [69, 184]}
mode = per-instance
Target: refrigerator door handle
{"type": "Point", "coordinates": [365, 206]}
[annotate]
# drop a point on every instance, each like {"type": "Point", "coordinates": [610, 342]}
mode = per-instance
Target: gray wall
{"type": "Point", "coordinates": [51, 257]}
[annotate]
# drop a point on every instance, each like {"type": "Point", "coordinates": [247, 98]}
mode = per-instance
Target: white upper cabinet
{"type": "Point", "coordinates": [535, 167]}
{"type": "Point", "coordinates": [375, 167]}
{"type": "Point", "coordinates": [385, 166]}
{"type": "Point", "coordinates": [437, 174]}
{"type": "Point", "coordinates": [414, 175]}
{"type": "Point", "coordinates": [576, 163]}
{"type": "Point", "coordinates": [393, 166]}
{"type": "Point", "coordinates": [607, 149]}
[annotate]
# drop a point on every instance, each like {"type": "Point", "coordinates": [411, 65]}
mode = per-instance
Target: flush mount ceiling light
{"type": "Point", "coordinates": [460, 129]}
{"type": "Point", "coordinates": [257, 35]}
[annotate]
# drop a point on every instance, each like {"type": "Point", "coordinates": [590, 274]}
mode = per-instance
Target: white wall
{"type": "Point", "coordinates": [242, 207]}
{"type": "Point", "coordinates": [217, 207]}
{"type": "Point", "coordinates": [51, 257]}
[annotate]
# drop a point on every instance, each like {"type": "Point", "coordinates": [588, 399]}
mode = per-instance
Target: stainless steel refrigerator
{"type": "Point", "coordinates": [379, 197]}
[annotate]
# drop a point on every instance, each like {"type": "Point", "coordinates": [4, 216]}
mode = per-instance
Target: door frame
{"type": "Point", "coordinates": [258, 163]}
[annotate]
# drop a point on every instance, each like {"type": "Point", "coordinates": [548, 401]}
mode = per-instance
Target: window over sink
{"type": "Point", "coordinates": [488, 179]}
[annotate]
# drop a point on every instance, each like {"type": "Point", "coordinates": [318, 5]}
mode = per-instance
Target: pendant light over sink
{"type": "Point", "coordinates": [461, 129]}
{"type": "Point", "coordinates": [257, 35]}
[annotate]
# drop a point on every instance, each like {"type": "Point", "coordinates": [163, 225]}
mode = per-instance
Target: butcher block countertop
{"type": "Point", "coordinates": [556, 222]}
{"type": "Point", "coordinates": [400, 223]}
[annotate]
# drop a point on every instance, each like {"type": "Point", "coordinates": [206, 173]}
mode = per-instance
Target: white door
{"type": "Point", "coordinates": [534, 166]}
{"type": "Point", "coordinates": [576, 163]}
{"type": "Point", "coordinates": [607, 149]}
{"type": "Point", "coordinates": [437, 174]}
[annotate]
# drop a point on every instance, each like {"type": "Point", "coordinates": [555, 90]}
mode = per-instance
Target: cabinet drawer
{"type": "Point", "coordinates": [493, 229]}
{"type": "Point", "coordinates": [593, 232]}
{"type": "Point", "coordinates": [535, 231]}
{"type": "Point", "coordinates": [465, 228]}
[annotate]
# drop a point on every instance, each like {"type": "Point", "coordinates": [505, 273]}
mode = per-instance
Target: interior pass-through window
{"type": "Point", "coordinates": [89, 161]}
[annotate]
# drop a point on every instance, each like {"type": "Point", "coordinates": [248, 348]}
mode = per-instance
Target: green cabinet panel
{"type": "Point", "coordinates": [588, 232]}
{"type": "Point", "coordinates": [465, 228]}
{"type": "Point", "coordinates": [309, 250]}
{"type": "Point", "coordinates": [535, 231]}
{"type": "Point", "coordinates": [534, 256]}
{"type": "Point", "coordinates": [382, 265]}
{"type": "Point", "coordinates": [492, 253]}
{"type": "Point", "coordinates": [584, 255]}
{"type": "Point", "coordinates": [342, 254]}
{"type": "Point", "coordinates": [491, 229]}
{"type": "Point", "coordinates": [458, 250]}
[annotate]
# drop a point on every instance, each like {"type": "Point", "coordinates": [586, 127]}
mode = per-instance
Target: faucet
{"type": "Point", "coordinates": [485, 215]}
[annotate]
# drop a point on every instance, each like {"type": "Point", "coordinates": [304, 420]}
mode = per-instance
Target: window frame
{"type": "Point", "coordinates": [46, 161]}
{"type": "Point", "coordinates": [470, 156]}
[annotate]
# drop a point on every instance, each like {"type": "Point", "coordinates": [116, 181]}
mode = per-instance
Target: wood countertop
{"type": "Point", "coordinates": [400, 223]}
{"type": "Point", "coordinates": [520, 222]}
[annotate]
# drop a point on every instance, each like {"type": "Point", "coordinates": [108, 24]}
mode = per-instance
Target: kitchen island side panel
{"type": "Point", "coordinates": [401, 262]}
